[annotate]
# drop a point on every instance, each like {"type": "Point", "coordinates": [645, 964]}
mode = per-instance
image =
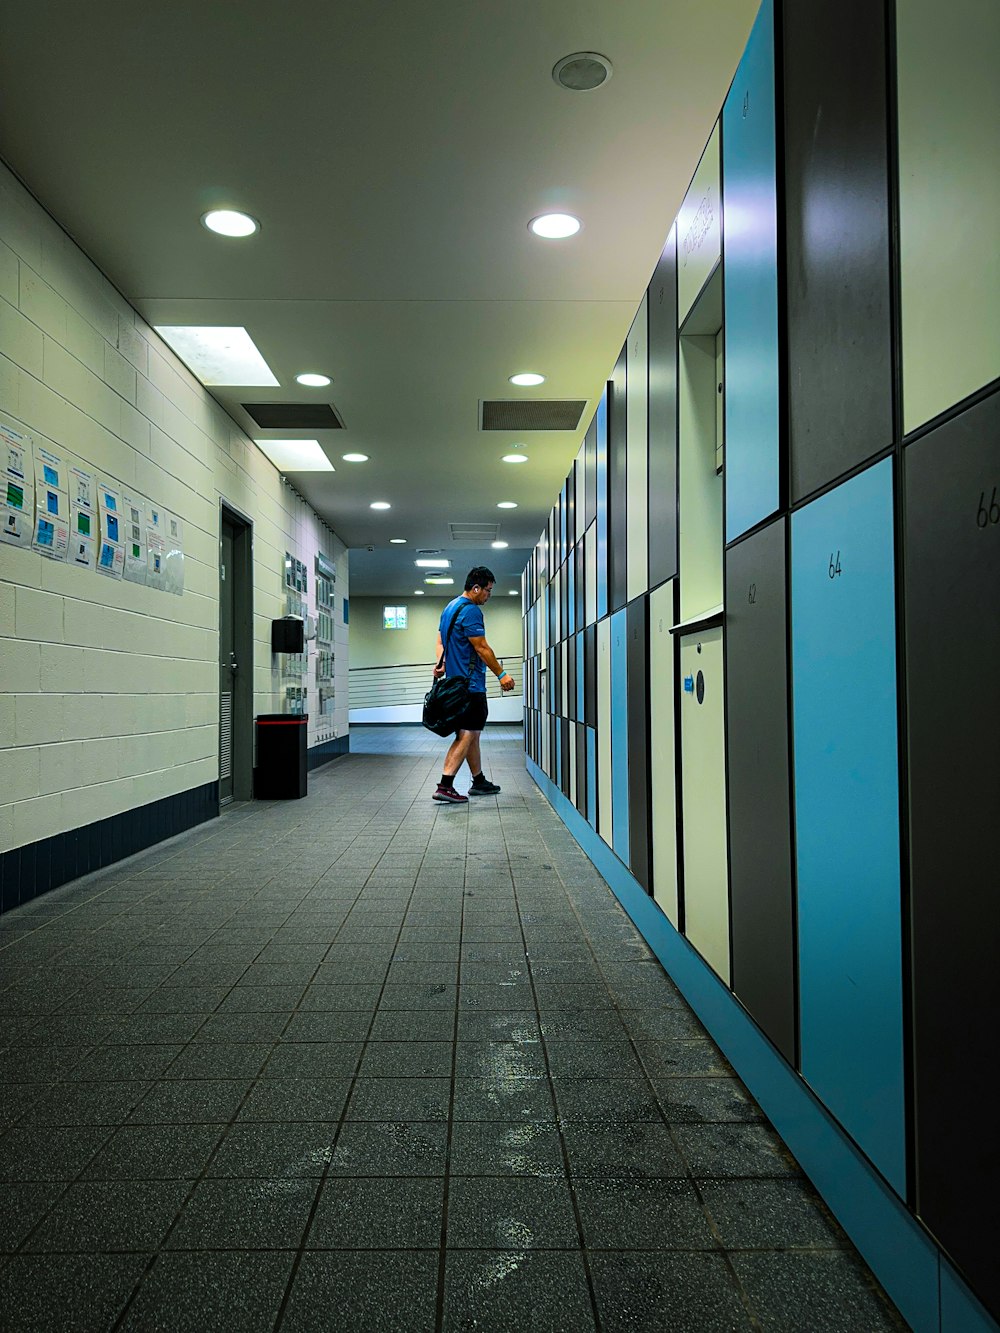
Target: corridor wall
{"type": "Point", "coordinates": [109, 689]}
{"type": "Point", "coordinates": [786, 723]}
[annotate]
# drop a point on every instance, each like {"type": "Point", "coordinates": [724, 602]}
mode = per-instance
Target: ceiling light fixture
{"type": "Point", "coordinates": [527, 378]}
{"type": "Point", "coordinates": [499, 546]}
{"type": "Point", "coordinates": [229, 222]}
{"type": "Point", "coordinates": [582, 71]}
{"type": "Point", "coordinates": [313, 381]}
{"type": "Point", "coordinates": [507, 504]}
{"type": "Point", "coordinates": [513, 593]}
{"type": "Point", "coordinates": [397, 541]}
{"type": "Point", "coordinates": [514, 458]}
{"type": "Point", "coordinates": [433, 564]}
{"type": "Point", "coordinates": [380, 504]}
{"type": "Point", "coordinates": [219, 354]}
{"type": "Point", "coordinates": [418, 592]}
{"type": "Point", "coordinates": [438, 579]}
{"type": "Point", "coordinates": [555, 226]}
{"type": "Point", "coordinates": [295, 455]}
{"type": "Point", "coordinates": [355, 458]}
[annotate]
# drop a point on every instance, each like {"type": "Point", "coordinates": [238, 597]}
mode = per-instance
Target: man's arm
{"type": "Point", "coordinates": [438, 653]}
{"type": "Point", "coordinates": [489, 659]}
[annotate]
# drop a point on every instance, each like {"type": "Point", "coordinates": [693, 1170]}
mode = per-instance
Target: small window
{"type": "Point", "coordinates": [394, 617]}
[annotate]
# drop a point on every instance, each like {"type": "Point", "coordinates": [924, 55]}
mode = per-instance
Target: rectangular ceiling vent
{"type": "Point", "coordinates": [294, 416]}
{"type": "Point", "coordinates": [474, 534]}
{"type": "Point", "coordinates": [540, 414]}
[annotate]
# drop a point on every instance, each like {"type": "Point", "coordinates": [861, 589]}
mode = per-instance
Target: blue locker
{"type": "Point", "coordinates": [570, 577]}
{"type": "Point", "coordinates": [591, 778]}
{"type": "Point", "coordinates": [602, 506]}
{"type": "Point", "coordinates": [580, 678]}
{"type": "Point", "coordinates": [750, 277]}
{"type": "Point", "coordinates": [847, 812]}
{"type": "Point", "coordinates": [619, 736]}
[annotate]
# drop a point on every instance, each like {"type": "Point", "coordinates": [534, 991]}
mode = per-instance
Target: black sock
{"type": "Point", "coordinates": [447, 780]}
{"type": "Point", "coordinates": [479, 777]}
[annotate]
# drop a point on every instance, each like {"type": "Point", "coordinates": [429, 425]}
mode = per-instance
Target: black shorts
{"type": "Point", "coordinates": [474, 717]}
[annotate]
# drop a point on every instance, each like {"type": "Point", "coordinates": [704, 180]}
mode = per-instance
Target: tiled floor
{"type": "Point", "coordinates": [365, 1062]}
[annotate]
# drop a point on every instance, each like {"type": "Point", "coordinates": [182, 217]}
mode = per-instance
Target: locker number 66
{"type": "Point", "coordinates": [992, 514]}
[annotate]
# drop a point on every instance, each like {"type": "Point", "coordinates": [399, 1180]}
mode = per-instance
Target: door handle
{"type": "Point", "coordinates": [233, 666]}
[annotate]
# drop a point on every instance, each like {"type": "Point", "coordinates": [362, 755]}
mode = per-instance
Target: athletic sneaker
{"type": "Point", "coordinates": [450, 795]}
{"type": "Point", "coordinates": [484, 788]}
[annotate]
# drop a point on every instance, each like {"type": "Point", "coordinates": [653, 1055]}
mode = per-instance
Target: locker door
{"type": "Point", "coordinates": [662, 760]}
{"type": "Point", "coordinates": [662, 415]}
{"type": "Point", "coordinates": [636, 467]}
{"type": "Point", "coordinates": [638, 743]}
{"type": "Point", "coordinates": [617, 483]}
{"type": "Point", "coordinates": [750, 276]}
{"type": "Point", "coordinates": [601, 485]}
{"type": "Point", "coordinates": [847, 812]}
{"type": "Point", "coordinates": [590, 574]}
{"type": "Point", "coordinates": [760, 854]}
{"type": "Point", "coordinates": [952, 582]}
{"type": "Point", "coordinates": [604, 793]}
{"type": "Point", "coordinates": [581, 769]}
{"type": "Point", "coordinates": [703, 787]}
{"type": "Point", "coordinates": [619, 734]}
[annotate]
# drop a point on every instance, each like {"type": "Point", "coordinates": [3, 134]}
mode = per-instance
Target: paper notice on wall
{"type": "Point", "coordinates": [173, 555]}
{"type": "Point", "coordinates": [155, 546]}
{"type": "Point", "coordinates": [17, 494]}
{"type": "Point", "coordinates": [111, 549]}
{"type": "Point", "coordinates": [82, 530]}
{"type": "Point", "coordinates": [81, 488]}
{"type": "Point", "coordinates": [51, 505]}
{"type": "Point", "coordinates": [134, 521]}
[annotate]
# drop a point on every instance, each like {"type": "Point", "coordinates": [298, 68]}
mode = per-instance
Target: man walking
{"type": "Point", "coordinates": [468, 654]}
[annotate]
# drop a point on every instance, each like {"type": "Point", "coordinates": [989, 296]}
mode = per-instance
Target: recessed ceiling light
{"type": "Point", "coordinates": [380, 504]}
{"type": "Point", "coordinates": [295, 455]}
{"type": "Point", "coordinates": [418, 592]}
{"type": "Point", "coordinates": [433, 564]}
{"type": "Point", "coordinates": [514, 458]}
{"type": "Point", "coordinates": [438, 579]}
{"type": "Point", "coordinates": [499, 546]}
{"type": "Point", "coordinates": [229, 222]}
{"type": "Point", "coordinates": [513, 593]}
{"type": "Point", "coordinates": [528, 377]}
{"type": "Point", "coordinates": [355, 458]}
{"type": "Point", "coordinates": [313, 381]}
{"type": "Point", "coordinates": [555, 226]}
{"type": "Point", "coordinates": [219, 355]}
{"type": "Point", "coordinates": [582, 71]}
{"type": "Point", "coordinates": [507, 504]}
{"type": "Point", "coordinates": [397, 541]}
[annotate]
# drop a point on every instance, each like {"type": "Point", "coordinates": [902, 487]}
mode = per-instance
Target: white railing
{"type": "Point", "coordinates": [375, 692]}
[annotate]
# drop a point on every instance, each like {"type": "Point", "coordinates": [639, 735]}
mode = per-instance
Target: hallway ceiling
{"type": "Point", "coordinates": [394, 155]}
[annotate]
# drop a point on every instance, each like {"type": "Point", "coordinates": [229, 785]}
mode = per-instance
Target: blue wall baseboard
{"type": "Point", "coordinates": [912, 1269]}
{"type": "Point", "coordinates": [37, 867]}
{"type": "Point", "coordinates": [322, 754]}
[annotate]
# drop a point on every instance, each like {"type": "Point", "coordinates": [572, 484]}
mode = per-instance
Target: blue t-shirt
{"type": "Point", "coordinates": [460, 654]}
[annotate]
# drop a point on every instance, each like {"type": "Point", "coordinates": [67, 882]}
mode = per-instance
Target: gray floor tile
{"type": "Point", "coordinates": [404, 1025]}
{"type": "Point", "coordinates": [508, 1099]}
{"type": "Point", "coordinates": [412, 1099]}
{"type": "Point", "coordinates": [685, 1293]}
{"type": "Point", "coordinates": [215, 1060]}
{"type": "Point", "coordinates": [647, 1214]}
{"type": "Point", "coordinates": [103, 1215]}
{"type": "Point", "coordinates": [768, 1214]}
{"type": "Point", "coordinates": [21, 1207]}
{"type": "Point", "coordinates": [605, 1101]}
{"type": "Point", "coordinates": [267, 1214]}
{"type": "Point", "coordinates": [734, 1150]}
{"type": "Point", "coordinates": [42, 1292]}
{"type": "Point", "coordinates": [622, 1152]}
{"type": "Point", "coordinates": [328, 1025]}
{"type": "Point", "coordinates": [286, 1100]}
{"type": "Point", "coordinates": [372, 1291]}
{"type": "Point", "coordinates": [155, 1152]}
{"type": "Point", "coordinates": [496, 1291]}
{"type": "Point", "coordinates": [706, 1101]}
{"type": "Point", "coordinates": [274, 1151]}
{"type": "Point", "coordinates": [500, 1059]}
{"type": "Point", "coordinates": [398, 1149]}
{"type": "Point", "coordinates": [362, 996]}
{"type": "Point", "coordinates": [318, 1059]}
{"type": "Point", "coordinates": [513, 1213]}
{"type": "Point", "coordinates": [246, 1027]}
{"type": "Point", "coordinates": [492, 1148]}
{"type": "Point", "coordinates": [48, 1153]}
{"type": "Point", "coordinates": [407, 1059]}
{"type": "Point", "coordinates": [225, 1292]}
{"type": "Point", "coordinates": [837, 1291]}
{"type": "Point", "coordinates": [381, 1213]}
{"type": "Point", "coordinates": [89, 1103]}
{"type": "Point", "coordinates": [191, 1102]}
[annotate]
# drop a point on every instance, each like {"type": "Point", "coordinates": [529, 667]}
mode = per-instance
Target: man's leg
{"type": "Point", "coordinates": [474, 755]}
{"type": "Point", "coordinates": [458, 750]}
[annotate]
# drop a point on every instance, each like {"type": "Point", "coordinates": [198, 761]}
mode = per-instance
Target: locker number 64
{"type": "Point", "coordinates": [834, 565]}
{"type": "Point", "coordinates": [985, 515]}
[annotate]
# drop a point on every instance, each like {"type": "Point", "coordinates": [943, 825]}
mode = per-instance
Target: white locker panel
{"type": "Point", "coordinates": [604, 729]}
{"type": "Point", "coordinates": [590, 573]}
{"type": "Point", "coordinates": [703, 784]}
{"type": "Point", "coordinates": [663, 775]}
{"type": "Point", "coordinates": [636, 457]}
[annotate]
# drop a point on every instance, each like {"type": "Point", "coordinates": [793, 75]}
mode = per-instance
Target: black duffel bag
{"type": "Point", "coordinates": [448, 698]}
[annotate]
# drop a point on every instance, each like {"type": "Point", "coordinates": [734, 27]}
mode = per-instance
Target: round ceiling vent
{"type": "Point", "coordinates": [582, 71]}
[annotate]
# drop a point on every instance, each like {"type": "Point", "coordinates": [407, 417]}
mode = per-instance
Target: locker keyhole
{"type": "Point", "coordinates": [699, 688]}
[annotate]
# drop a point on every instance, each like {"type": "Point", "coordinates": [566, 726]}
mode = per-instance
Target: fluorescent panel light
{"type": "Point", "coordinates": [296, 455]}
{"type": "Point", "coordinates": [437, 578]}
{"type": "Point", "coordinates": [418, 592]}
{"type": "Point", "coordinates": [498, 546]}
{"type": "Point", "coordinates": [397, 541]}
{"type": "Point", "coordinates": [219, 355]}
{"type": "Point", "coordinates": [380, 504]}
{"type": "Point", "coordinates": [433, 564]}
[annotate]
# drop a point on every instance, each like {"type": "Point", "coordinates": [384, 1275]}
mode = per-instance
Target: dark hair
{"type": "Point", "coordinates": [480, 577]}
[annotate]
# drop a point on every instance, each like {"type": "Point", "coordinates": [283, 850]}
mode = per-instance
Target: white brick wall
{"type": "Point", "coordinates": [109, 690]}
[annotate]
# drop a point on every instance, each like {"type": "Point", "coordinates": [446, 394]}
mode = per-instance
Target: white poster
{"type": "Point", "coordinates": [111, 550]}
{"type": "Point", "coordinates": [173, 575]}
{"type": "Point", "coordinates": [17, 495]}
{"type": "Point", "coordinates": [155, 546]}
{"type": "Point", "coordinates": [81, 488]}
{"type": "Point", "coordinates": [81, 537]}
{"type": "Point", "coordinates": [51, 505]}
{"type": "Point", "coordinates": [134, 520]}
